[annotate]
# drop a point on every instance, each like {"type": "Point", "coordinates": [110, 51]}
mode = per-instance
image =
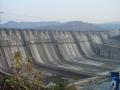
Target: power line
{"type": "Point", "coordinates": [21, 14]}
{"type": "Point", "coordinates": [17, 16]}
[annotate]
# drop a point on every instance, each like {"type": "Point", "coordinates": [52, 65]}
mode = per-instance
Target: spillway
{"type": "Point", "coordinates": [86, 53]}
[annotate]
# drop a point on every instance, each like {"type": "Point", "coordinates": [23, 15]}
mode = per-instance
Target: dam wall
{"type": "Point", "coordinates": [82, 52]}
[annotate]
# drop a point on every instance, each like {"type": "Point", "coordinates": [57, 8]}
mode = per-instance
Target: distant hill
{"type": "Point", "coordinates": [113, 25]}
{"type": "Point", "coordinates": [28, 25]}
{"type": "Point", "coordinates": [73, 25]}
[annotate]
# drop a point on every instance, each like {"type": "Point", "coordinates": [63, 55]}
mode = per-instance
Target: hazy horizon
{"type": "Point", "coordinates": [91, 11]}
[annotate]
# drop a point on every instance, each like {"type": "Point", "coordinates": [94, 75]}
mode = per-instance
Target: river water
{"type": "Point", "coordinates": [103, 86]}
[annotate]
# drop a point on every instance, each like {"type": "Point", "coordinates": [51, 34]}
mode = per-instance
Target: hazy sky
{"type": "Point", "coordinates": [95, 11]}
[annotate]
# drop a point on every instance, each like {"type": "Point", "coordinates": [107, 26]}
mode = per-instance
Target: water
{"type": "Point", "coordinates": [103, 86]}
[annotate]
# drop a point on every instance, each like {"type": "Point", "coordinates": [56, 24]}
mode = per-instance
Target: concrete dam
{"type": "Point", "coordinates": [78, 52]}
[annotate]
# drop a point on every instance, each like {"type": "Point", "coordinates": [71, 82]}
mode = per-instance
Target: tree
{"type": "Point", "coordinates": [17, 63]}
{"type": "Point", "coordinates": [35, 77]}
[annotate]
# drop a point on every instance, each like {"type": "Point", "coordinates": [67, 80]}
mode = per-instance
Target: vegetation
{"type": "Point", "coordinates": [20, 80]}
{"type": "Point", "coordinates": [61, 84]}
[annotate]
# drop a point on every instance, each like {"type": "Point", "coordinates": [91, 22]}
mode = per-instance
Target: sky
{"type": "Point", "coordinates": [92, 11]}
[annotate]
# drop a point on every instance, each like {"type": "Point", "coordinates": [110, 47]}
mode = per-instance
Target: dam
{"type": "Point", "coordinates": [86, 53]}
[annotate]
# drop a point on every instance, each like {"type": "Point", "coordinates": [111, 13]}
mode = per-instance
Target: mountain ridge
{"type": "Point", "coordinates": [54, 25]}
